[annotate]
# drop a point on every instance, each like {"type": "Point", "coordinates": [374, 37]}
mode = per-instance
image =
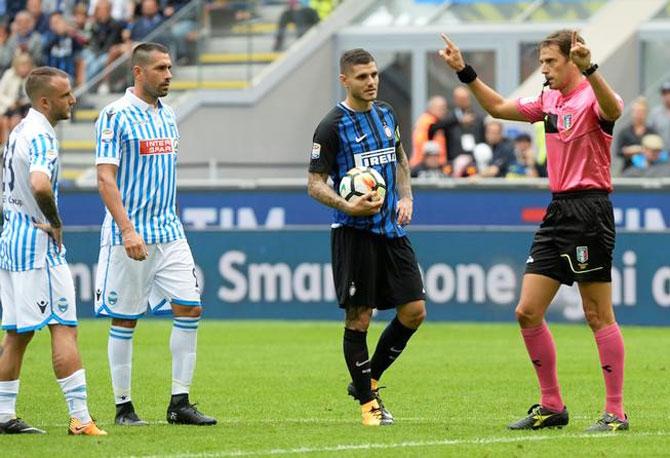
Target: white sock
{"type": "Point", "coordinates": [120, 354]}
{"type": "Point", "coordinates": [8, 392]}
{"type": "Point", "coordinates": [183, 342]}
{"type": "Point", "coordinates": [74, 389]}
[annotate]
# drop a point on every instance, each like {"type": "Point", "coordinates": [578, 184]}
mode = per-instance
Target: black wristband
{"type": "Point", "coordinates": [590, 70]}
{"type": "Point", "coordinates": [467, 75]}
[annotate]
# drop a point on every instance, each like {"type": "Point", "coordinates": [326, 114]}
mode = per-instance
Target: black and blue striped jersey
{"type": "Point", "coordinates": [345, 139]}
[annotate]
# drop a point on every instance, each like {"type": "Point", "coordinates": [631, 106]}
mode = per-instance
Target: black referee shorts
{"type": "Point", "coordinates": [576, 239]}
{"type": "Point", "coordinates": [374, 271]}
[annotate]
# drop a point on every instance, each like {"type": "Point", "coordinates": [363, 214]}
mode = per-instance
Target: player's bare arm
{"type": "Point", "coordinates": [494, 104]}
{"type": "Point", "coordinates": [405, 202]}
{"type": "Point", "coordinates": [44, 196]}
{"type": "Point", "coordinates": [580, 54]}
{"type": "Point", "coordinates": [111, 196]}
{"type": "Point", "coordinates": [318, 188]}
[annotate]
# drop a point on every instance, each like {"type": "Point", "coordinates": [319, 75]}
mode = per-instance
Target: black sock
{"type": "Point", "coordinates": [356, 355]}
{"type": "Point", "coordinates": [179, 399]}
{"type": "Point", "coordinates": [391, 344]}
{"type": "Point", "coordinates": [125, 408]}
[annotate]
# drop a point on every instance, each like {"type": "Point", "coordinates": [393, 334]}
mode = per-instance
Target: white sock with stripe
{"type": "Point", "coordinates": [120, 354]}
{"type": "Point", "coordinates": [183, 342]}
{"type": "Point", "coordinates": [9, 390]}
{"type": "Point", "coordinates": [74, 389]}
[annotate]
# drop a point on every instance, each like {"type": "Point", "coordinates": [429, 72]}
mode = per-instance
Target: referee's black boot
{"type": "Point", "coordinates": [539, 417]}
{"type": "Point", "coordinates": [126, 416]}
{"type": "Point", "coordinates": [182, 412]}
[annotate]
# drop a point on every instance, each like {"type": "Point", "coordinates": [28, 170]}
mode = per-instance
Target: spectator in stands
{"type": "Point", "coordinates": [525, 160]}
{"type": "Point", "coordinates": [629, 139]}
{"type": "Point", "coordinates": [66, 7]}
{"type": "Point", "coordinates": [62, 50]}
{"type": "Point", "coordinates": [502, 150]}
{"type": "Point", "coordinates": [34, 7]}
{"type": "Point", "coordinates": [14, 102]}
{"type": "Point", "coordinates": [436, 111]}
{"type": "Point", "coordinates": [23, 38]}
{"type": "Point", "coordinates": [81, 26]}
{"type": "Point", "coordinates": [150, 19]}
{"type": "Point", "coordinates": [430, 166]}
{"type": "Point", "coordinates": [323, 7]}
{"type": "Point", "coordinates": [652, 162]}
{"type": "Point", "coordinates": [469, 129]}
{"type": "Point", "coordinates": [106, 37]}
{"type": "Point", "coordinates": [298, 13]}
{"type": "Point", "coordinates": [122, 11]}
{"type": "Point", "coordinates": [4, 37]}
{"type": "Point", "coordinates": [184, 31]}
{"type": "Point", "coordinates": [660, 116]}
{"type": "Point", "coordinates": [224, 14]}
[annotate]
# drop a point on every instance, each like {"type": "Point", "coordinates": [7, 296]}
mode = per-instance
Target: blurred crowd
{"type": "Point", "coordinates": [460, 142]}
{"type": "Point", "coordinates": [84, 37]}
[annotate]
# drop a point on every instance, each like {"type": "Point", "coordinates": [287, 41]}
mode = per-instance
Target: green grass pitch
{"type": "Point", "coordinates": [279, 389]}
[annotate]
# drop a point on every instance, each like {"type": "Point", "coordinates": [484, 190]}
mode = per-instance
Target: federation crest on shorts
{"type": "Point", "coordinates": [582, 256]}
{"type": "Point", "coordinates": [112, 298]}
{"type": "Point", "coordinates": [567, 121]}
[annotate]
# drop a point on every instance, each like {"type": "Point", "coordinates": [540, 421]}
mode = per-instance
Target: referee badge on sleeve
{"type": "Point", "coordinates": [316, 150]}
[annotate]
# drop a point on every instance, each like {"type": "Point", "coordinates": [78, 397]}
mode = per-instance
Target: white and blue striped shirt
{"type": "Point", "coordinates": [142, 140]}
{"type": "Point", "coordinates": [32, 147]}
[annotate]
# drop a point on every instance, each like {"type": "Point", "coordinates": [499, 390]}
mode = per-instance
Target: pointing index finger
{"type": "Point", "coordinates": [447, 41]}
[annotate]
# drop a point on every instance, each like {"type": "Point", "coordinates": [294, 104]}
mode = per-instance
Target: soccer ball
{"type": "Point", "coordinates": [361, 180]}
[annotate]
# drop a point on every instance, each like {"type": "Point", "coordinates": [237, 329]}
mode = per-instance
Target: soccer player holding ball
{"type": "Point", "coordinates": [576, 239]}
{"type": "Point", "coordinates": [374, 265]}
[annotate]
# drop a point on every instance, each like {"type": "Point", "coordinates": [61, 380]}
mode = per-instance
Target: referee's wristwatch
{"type": "Point", "coordinates": [590, 70]}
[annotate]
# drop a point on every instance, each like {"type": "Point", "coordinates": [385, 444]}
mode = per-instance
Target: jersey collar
{"type": "Point", "coordinates": [36, 116]}
{"type": "Point", "coordinates": [139, 103]}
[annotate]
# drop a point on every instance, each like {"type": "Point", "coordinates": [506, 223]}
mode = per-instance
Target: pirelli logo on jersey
{"type": "Point", "coordinates": [156, 146]}
{"type": "Point", "coordinates": [376, 157]}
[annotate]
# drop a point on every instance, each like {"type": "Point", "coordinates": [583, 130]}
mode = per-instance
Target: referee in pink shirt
{"type": "Point", "coordinates": [576, 239]}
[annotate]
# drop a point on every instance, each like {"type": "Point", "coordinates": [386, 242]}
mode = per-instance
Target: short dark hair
{"type": "Point", "coordinates": [523, 137]}
{"type": "Point", "coordinates": [39, 79]}
{"type": "Point", "coordinates": [561, 38]}
{"type": "Point", "coordinates": [357, 56]}
{"type": "Point", "coordinates": [142, 51]}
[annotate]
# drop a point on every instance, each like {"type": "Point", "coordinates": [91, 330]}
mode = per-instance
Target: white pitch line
{"type": "Point", "coordinates": [411, 444]}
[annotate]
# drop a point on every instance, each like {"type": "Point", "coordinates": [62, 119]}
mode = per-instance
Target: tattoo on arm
{"type": "Point", "coordinates": [403, 181]}
{"type": "Point", "coordinates": [318, 188]}
{"type": "Point", "coordinates": [46, 202]}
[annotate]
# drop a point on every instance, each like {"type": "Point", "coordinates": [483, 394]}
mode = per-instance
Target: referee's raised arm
{"type": "Point", "coordinates": [494, 104]}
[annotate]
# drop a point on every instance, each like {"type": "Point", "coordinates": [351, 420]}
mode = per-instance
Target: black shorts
{"type": "Point", "coordinates": [374, 271]}
{"type": "Point", "coordinates": [576, 239]}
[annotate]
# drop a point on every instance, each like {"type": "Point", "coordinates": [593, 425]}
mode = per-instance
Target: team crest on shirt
{"type": "Point", "coordinates": [582, 256]}
{"type": "Point", "coordinates": [567, 121]}
{"type": "Point", "coordinates": [388, 131]}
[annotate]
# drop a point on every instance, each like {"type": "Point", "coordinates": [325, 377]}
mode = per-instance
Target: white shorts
{"type": "Point", "coordinates": [126, 288]}
{"type": "Point", "coordinates": [32, 299]}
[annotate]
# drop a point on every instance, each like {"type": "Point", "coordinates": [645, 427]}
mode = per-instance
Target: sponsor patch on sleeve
{"type": "Point", "coordinates": [51, 154]}
{"type": "Point", "coordinates": [316, 150]}
{"type": "Point", "coordinates": [106, 135]}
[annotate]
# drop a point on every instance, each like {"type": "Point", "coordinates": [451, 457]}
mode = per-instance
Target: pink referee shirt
{"type": "Point", "coordinates": [578, 140]}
